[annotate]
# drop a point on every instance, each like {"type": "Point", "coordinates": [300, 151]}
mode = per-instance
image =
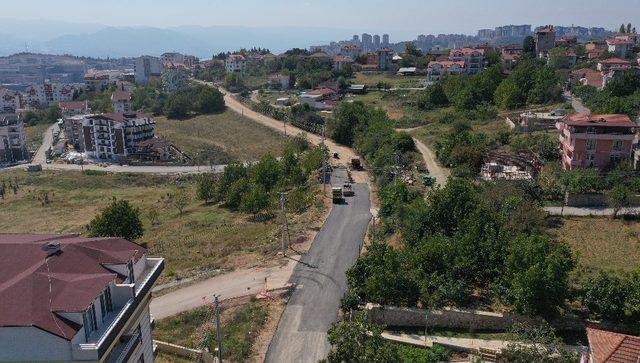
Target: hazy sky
{"type": "Point", "coordinates": [399, 17]}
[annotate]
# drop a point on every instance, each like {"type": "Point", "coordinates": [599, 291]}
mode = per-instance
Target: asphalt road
{"type": "Point", "coordinates": [320, 281]}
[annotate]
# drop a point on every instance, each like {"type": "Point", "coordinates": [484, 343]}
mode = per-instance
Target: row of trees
{"type": "Point", "coordinates": [194, 100]}
{"type": "Point", "coordinates": [255, 188]}
{"type": "Point", "coordinates": [48, 115]}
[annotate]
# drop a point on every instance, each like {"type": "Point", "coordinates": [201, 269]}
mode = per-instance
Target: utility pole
{"type": "Point", "coordinates": [285, 128]}
{"type": "Point", "coordinates": [285, 227]}
{"type": "Point", "coordinates": [218, 328]}
{"type": "Point", "coordinates": [324, 160]}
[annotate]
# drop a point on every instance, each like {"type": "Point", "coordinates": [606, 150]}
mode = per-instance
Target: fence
{"type": "Point", "coordinates": [201, 355]}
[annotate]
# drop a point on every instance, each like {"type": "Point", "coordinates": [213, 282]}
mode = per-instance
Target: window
{"type": "Point", "coordinates": [617, 145]}
{"type": "Point", "coordinates": [591, 130]}
{"type": "Point", "coordinates": [89, 321]}
{"type": "Point", "coordinates": [591, 144]}
{"type": "Point", "coordinates": [103, 307]}
{"type": "Point", "coordinates": [107, 298]}
{"type": "Point", "coordinates": [131, 274]}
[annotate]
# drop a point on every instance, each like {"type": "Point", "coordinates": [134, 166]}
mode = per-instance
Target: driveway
{"type": "Point", "coordinates": [320, 281]}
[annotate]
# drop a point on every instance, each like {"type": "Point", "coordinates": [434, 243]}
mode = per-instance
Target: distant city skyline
{"type": "Point", "coordinates": [358, 16]}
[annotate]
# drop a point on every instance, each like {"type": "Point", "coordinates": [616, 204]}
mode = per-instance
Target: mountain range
{"type": "Point", "coordinates": [94, 40]}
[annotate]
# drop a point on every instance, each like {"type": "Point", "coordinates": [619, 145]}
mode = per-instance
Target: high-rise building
{"type": "Point", "coordinates": [367, 41]}
{"type": "Point", "coordinates": [385, 40]}
{"type": "Point", "coordinates": [356, 38]}
{"type": "Point", "coordinates": [376, 42]}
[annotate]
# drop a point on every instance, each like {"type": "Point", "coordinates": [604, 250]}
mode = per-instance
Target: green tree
{"type": "Point", "coordinates": [208, 100]}
{"type": "Point", "coordinates": [178, 106]}
{"type": "Point", "coordinates": [558, 58]}
{"type": "Point", "coordinates": [535, 278]}
{"type": "Point", "coordinates": [119, 219]}
{"type": "Point", "coordinates": [267, 172]}
{"type": "Point", "coordinates": [206, 188]}
{"type": "Point", "coordinates": [619, 197]}
{"type": "Point", "coordinates": [359, 341]}
{"type": "Point", "coordinates": [178, 199]}
{"type": "Point", "coordinates": [435, 354]}
{"type": "Point", "coordinates": [529, 46]}
{"type": "Point", "coordinates": [537, 343]}
{"type": "Point", "coordinates": [605, 295]}
{"type": "Point", "coordinates": [255, 200]}
{"type": "Point", "coordinates": [622, 29]}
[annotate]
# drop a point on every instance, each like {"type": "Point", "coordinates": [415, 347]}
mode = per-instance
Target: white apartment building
{"type": "Point", "coordinates": [147, 68]}
{"type": "Point", "coordinates": [121, 101]}
{"type": "Point", "coordinates": [109, 137]}
{"type": "Point", "coordinates": [97, 81]}
{"type": "Point", "coordinates": [10, 100]}
{"type": "Point", "coordinates": [12, 139]}
{"type": "Point", "coordinates": [48, 94]}
{"type": "Point", "coordinates": [68, 298]}
{"type": "Point", "coordinates": [235, 63]}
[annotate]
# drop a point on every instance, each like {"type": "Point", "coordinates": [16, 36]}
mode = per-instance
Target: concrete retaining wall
{"type": "Point", "coordinates": [200, 355]}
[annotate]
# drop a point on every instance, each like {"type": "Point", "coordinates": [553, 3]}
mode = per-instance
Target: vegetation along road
{"type": "Point", "coordinates": [320, 281]}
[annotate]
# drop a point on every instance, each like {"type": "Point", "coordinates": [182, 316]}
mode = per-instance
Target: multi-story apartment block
{"type": "Point", "coordinates": [235, 63]}
{"type": "Point", "coordinates": [384, 59]}
{"type": "Point", "coordinates": [110, 137]}
{"type": "Point", "coordinates": [10, 100]}
{"type": "Point", "coordinates": [595, 140]}
{"type": "Point", "coordinates": [473, 59]}
{"type": "Point", "coordinates": [614, 64]}
{"type": "Point", "coordinates": [351, 50]}
{"type": "Point", "coordinates": [619, 46]}
{"type": "Point", "coordinates": [385, 40]}
{"type": "Point", "coordinates": [121, 101]}
{"type": "Point", "coordinates": [178, 58]}
{"type": "Point", "coordinates": [545, 39]}
{"type": "Point", "coordinates": [68, 298]}
{"type": "Point", "coordinates": [12, 139]}
{"type": "Point", "coordinates": [436, 70]}
{"type": "Point", "coordinates": [74, 108]}
{"type": "Point", "coordinates": [48, 94]}
{"type": "Point", "coordinates": [97, 81]}
{"type": "Point", "coordinates": [147, 68]}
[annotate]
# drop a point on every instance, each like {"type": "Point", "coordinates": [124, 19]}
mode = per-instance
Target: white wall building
{"type": "Point", "coordinates": [68, 298]}
{"type": "Point", "coordinates": [121, 101]}
{"type": "Point", "coordinates": [111, 137]}
{"type": "Point", "coordinates": [12, 139]}
{"type": "Point", "coordinates": [10, 100]}
{"type": "Point", "coordinates": [147, 68]}
{"type": "Point", "coordinates": [438, 69]}
{"type": "Point", "coordinates": [473, 59]}
{"type": "Point", "coordinates": [48, 94]}
{"type": "Point", "coordinates": [235, 63]}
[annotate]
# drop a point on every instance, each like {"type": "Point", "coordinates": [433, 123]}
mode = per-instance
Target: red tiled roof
{"type": "Point", "coordinates": [321, 92]}
{"type": "Point", "coordinates": [319, 55]}
{"type": "Point", "coordinates": [447, 63]}
{"type": "Point", "coordinates": [610, 347]}
{"type": "Point", "coordinates": [342, 58]}
{"type": "Point", "coordinates": [611, 120]}
{"type": "Point", "coordinates": [72, 105]}
{"type": "Point", "coordinates": [120, 96]}
{"type": "Point", "coordinates": [618, 41]}
{"type": "Point", "coordinates": [615, 61]}
{"type": "Point", "coordinates": [35, 285]}
{"type": "Point", "coordinates": [467, 51]}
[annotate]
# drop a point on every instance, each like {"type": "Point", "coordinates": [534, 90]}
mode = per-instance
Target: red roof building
{"type": "Point", "coordinates": [64, 297]}
{"type": "Point", "coordinates": [595, 140]}
{"type": "Point", "coordinates": [610, 347]}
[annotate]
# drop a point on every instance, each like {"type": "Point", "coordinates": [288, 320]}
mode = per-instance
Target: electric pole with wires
{"type": "Point", "coordinates": [324, 160]}
{"type": "Point", "coordinates": [218, 328]}
{"type": "Point", "coordinates": [285, 226]}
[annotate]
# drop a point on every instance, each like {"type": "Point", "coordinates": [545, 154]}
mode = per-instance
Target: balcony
{"type": "Point", "coordinates": [125, 348]}
{"type": "Point", "coordinates": [101, 339]}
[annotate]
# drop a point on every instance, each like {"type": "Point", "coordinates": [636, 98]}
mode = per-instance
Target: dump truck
{"type": "Point", "coordinates": [338, 197]}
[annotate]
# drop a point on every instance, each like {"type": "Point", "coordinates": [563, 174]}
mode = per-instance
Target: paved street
{"type": "Point", "coordinates": [576, 103]}
{"type": "Point", "coordinates": [321, 281]}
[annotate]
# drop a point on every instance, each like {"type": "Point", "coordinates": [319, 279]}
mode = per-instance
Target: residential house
{"type": "Point", "coordinates": [73, 108]}
{"type": "Point", "coordinates": [351, 50]}
{"type": "Point", "coordinates": [545, 40]}
{"type": "Point", "coordinates": [609, 347]}
{"type": "Point", "coordinates": [121, 101]}
{"type": "Point", "coordinates": [341, 61]}
{"type": "Point", "coordinates": [280, 82]}
{"type": "Point", "coordinates": [473, 59]}
{"type": "Point", "coordinates": [620, 47]}
{"type": "Point", "coordinates": [10, 100]}
{"type": "Point", "coordinates": [407, 71]}
{"type": "Point", "coordinates": [114, 136]}
{"type": "Point", "coordinates": [235, 63]}
{"type": "Point", "coordinates": [510, 54]}
{"type": "Point", "coordinates": [97, 81]}
{"type": "Point", "coordinates": [384, 59]}
{"type": "Point", "coordinates": [320, 98]}
{"type": "Point", "coordinates": [320, 56]}
{"type": "Point", "coordinates": [596, 45]}
{"type": "Point", "coordinates": [48, 94]}
{"type": "Point", "coordinates": [589, 77]}
{"type": "Point", "coordinates": [68, 298]}
{"type": "Point", "coordinates": [147, 68]}
{"type": "Point", "coordinates": [124, 86]}
{"type": "Point", "coordinates": [614, 64]}
{"type": "Point", "coordinates": [436, 70]}
{"type": "Point", "coordinates": [595, 140]}
{"type": "Point", "coordinates": [595, 53]}
{"type": "Point", "coordinates": [12, 140]}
